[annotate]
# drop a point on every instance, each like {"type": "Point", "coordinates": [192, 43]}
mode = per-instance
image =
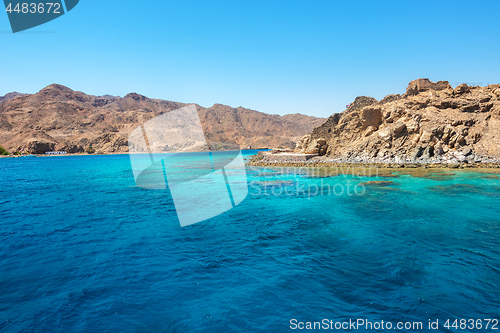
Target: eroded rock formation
{"type": "Point", "coordinates": [431, 122]}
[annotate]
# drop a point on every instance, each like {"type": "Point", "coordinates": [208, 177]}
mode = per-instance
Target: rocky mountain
{"type": "Point", "coordinates": [431, 122]}
{"type": "Point", "coordinates": [58, 118]}
{"type": "Point", "coordinates": [10, 96]}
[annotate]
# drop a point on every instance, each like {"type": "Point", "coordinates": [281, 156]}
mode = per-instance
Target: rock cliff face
{"type": "Point", "coordinates": [58, 118]}
{"type": "Point", "coordinates": [431, 122]}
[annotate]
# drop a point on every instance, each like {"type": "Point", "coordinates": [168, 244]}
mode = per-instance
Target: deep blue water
{"type": "Point", "coordinates": [82, 249]}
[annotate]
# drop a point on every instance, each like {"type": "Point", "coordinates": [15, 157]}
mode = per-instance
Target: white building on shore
{"type": "Point", "coordinates": [55, 153]}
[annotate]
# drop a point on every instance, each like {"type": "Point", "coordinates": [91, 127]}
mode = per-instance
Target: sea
{"type": "Point", "coordinates": [84, 249]}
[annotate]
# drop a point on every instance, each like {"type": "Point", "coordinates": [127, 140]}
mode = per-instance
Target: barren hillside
{"type": "Point", "coordinates": [58, 118]}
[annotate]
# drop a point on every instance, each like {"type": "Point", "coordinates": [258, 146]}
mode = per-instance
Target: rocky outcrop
{"type": "Point", "coordinates": [10, 96]}
{"type": "Point", "coordinates": [430, 123]}
{"type": "Point", "coordinates": [36, 147]}
{"type": "Point", "coordinates": [307, 145]}
{"type": "Point", "coordinates": [58, 118]}
{"type": "Point", "coordinates": [420, 85]}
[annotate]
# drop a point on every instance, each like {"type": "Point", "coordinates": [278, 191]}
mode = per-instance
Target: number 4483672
{"type": "Point", "coordinates": [472, 324]}
{"type": "Point", "coordinates": [33, 8]}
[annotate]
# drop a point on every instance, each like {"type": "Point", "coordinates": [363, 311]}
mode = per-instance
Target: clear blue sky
{"type": "Point", "coordinates": [276, 57]}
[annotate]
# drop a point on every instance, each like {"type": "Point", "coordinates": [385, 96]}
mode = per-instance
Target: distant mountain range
{"type": "Point", "coordinates": [60, 119]}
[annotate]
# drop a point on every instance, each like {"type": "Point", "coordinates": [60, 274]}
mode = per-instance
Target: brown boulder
{"type": "Point", "coordinates": [303, 143]}
{"type": "Point", "coordinates": [420, 85]}
{"type": "Point", "coordinates": [371, 116]}
{"type": "Point", "coordinates": [461, 89]}
{"type": "Point", "coordinates": [317, 146]}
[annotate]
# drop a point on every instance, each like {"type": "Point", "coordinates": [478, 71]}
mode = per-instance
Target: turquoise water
{"type": "Point", "coordinates": [83, 249]}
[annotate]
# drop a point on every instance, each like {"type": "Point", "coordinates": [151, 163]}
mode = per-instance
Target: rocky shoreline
{"type": "Point", "coordinates": [431, 124]}
{"type": "Point", "coordinates": [271, 159]}
{"type": "Point", "coordinates": [63, 155]}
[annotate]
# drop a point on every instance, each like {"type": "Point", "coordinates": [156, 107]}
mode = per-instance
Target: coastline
{"type": "Point", "coordinates": [61, 155]}
{"type": "Point", "coordinates": [337, 166]}
{"type": "Point", "coordinates": [115, 153]}
{"type": "Point", "coordinates": [290, 160]}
